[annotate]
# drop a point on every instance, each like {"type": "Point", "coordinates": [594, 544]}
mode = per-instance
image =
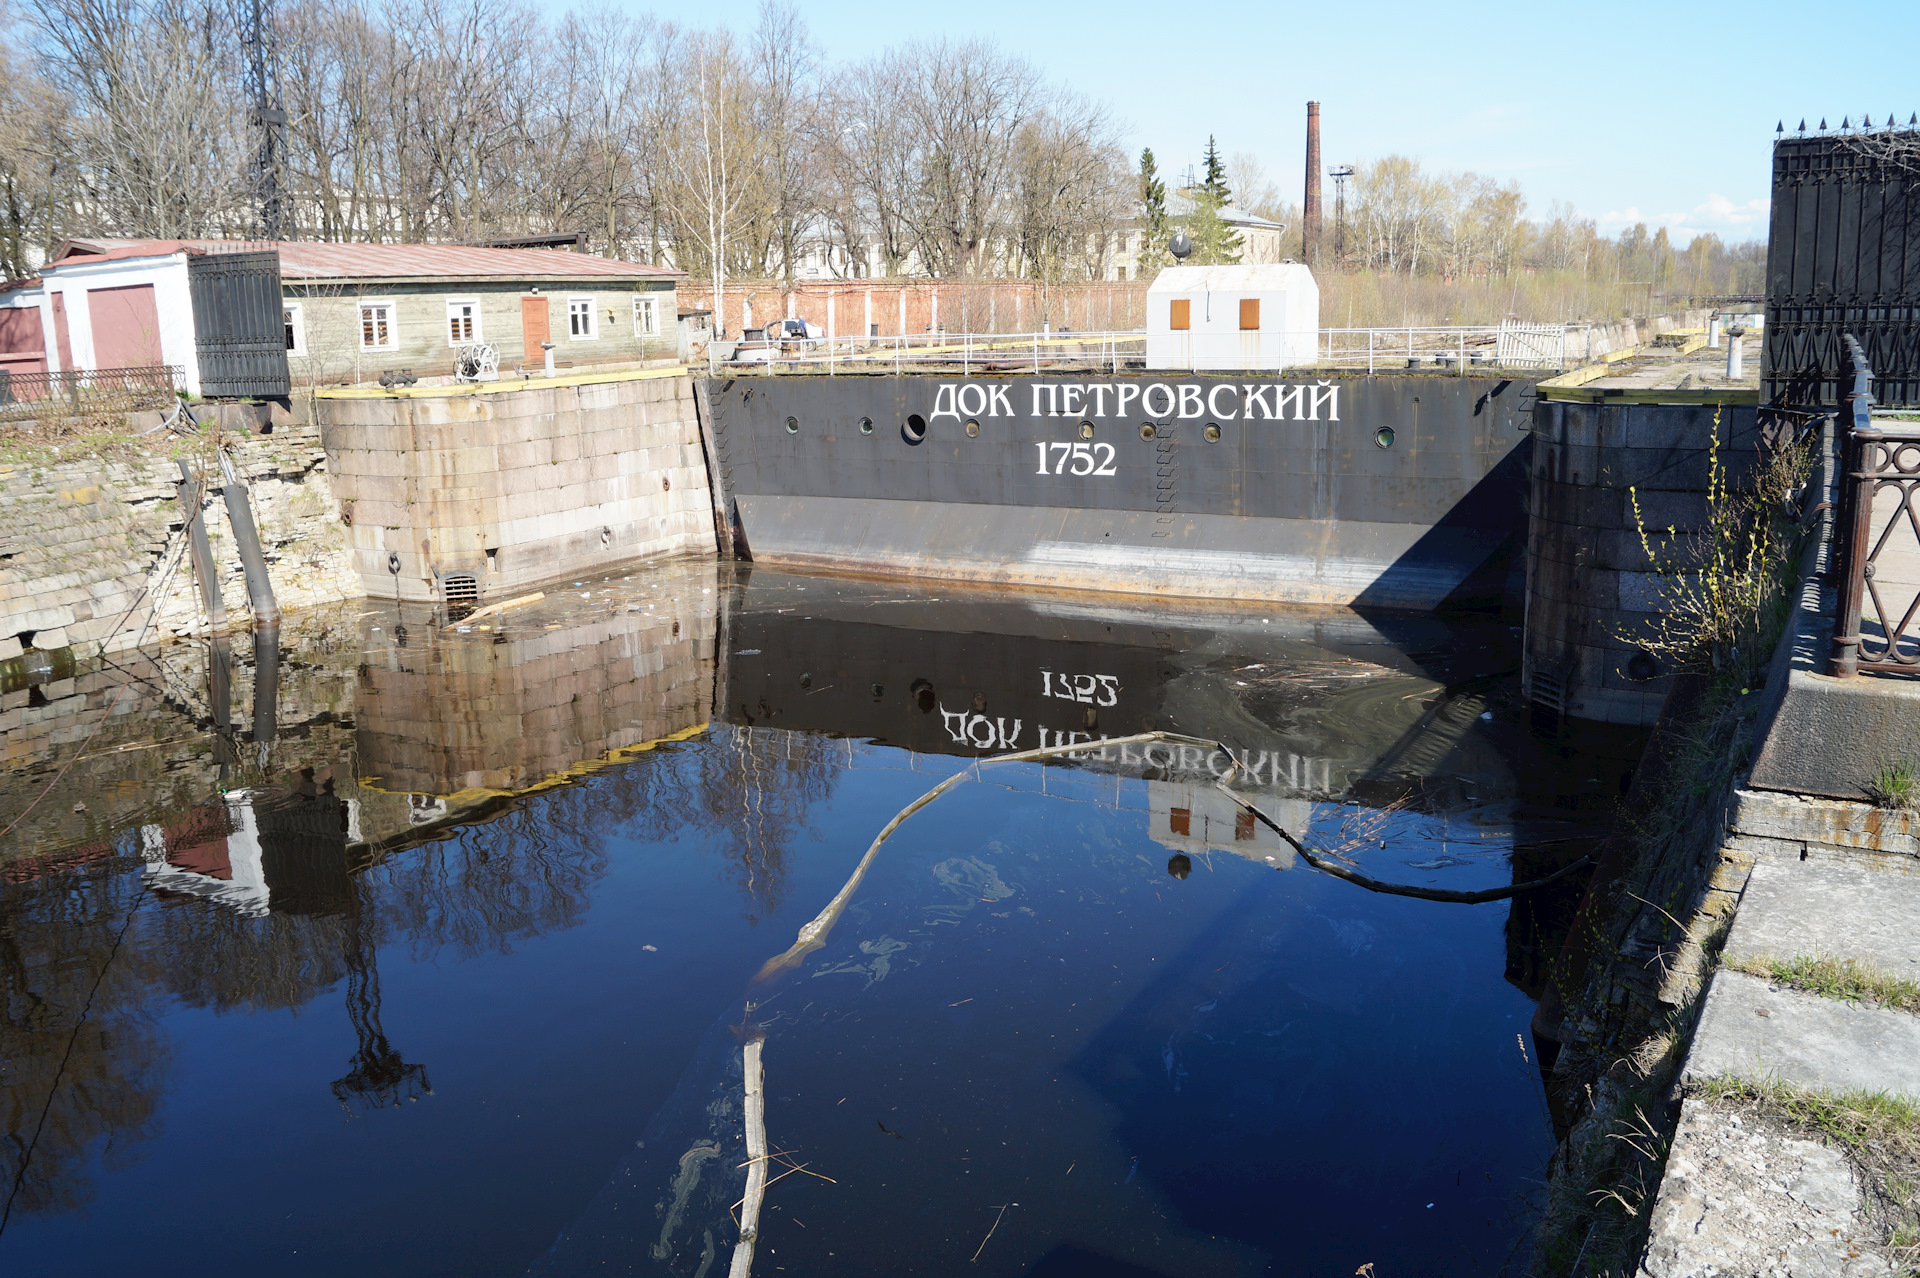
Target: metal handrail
{"type": "Point", "coordinates": [1455, 348]}
{"type": "Point", "coordinates": [99, 389]}
{"type": "Point", "coordinates": [1878, 457]}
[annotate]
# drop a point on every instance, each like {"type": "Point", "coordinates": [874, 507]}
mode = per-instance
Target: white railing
{"type": "Point", "coordinates": [1453, 348]}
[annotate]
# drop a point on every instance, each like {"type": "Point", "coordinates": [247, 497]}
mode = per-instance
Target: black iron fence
{"type": "Point", "coordinates": [1877, 542]}
{"type": "Point", "coordinates": [103, 390]}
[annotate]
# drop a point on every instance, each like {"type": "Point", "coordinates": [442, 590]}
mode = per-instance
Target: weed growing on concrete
{"type": "Point", "coordinates": [1837, 978]}
{"type": "Point", "coordinates": [1719, 596]}
{"type": "Point", "coordinates": [1897, 785]}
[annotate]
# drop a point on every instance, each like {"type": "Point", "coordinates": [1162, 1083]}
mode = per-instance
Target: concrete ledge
{"type": "Point", "coordinates": [1742, 1196]}
{"type": "Point", "coordinates": [1750, 1030]}
{"type": "Point", "coordinates": [1835, 912]}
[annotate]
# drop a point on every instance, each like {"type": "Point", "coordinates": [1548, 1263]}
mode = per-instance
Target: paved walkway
{"type": "Point", "coordinates": [1751, 1195]}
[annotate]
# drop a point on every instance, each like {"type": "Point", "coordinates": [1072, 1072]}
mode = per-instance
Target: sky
{"type": "Point", "coordinates": [1630, 111]}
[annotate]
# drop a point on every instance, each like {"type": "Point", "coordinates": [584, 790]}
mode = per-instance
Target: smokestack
{"type": "Point", "coordinates": [1310, 207]}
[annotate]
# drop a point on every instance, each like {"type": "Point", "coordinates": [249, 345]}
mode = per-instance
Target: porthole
{"type": "Point", "coordinates": [973, 428]}
{"type": "Point", "coordinates": [1146, 430]}
{"type": "Point", "coordinates": [793, 425]}
{"type": "Point", "coordinates": [1212, 433]}
{"type": "Point", "coordinates": [1086, 430]}
{"type": "Point", "coordinates": [1384, 437]}
{"type": "Point", "coordinates": [915, 428]}
{"type": "Point", "coordinates": [866, 425]}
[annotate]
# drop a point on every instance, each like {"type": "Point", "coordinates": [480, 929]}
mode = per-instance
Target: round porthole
{"type": "Point", "coordinates": [973, 428]}
{"type": "Point", "coordinates": [1212, 432]}
{"type": "Point", "coordinates": [1384, 437]}
{"type": "Point", "coordinates": [1642, 667]}
{"type": "Point", "coordinates": [866, 425]}
{"type": "Point", "coordinates": [1086, 430]}
{"type": "Point", "coordinates": [915, 428]}
{"type": "Point", "coordinates": [793, 425]}
{"type": "Point", "coordinates": [1146, 430]}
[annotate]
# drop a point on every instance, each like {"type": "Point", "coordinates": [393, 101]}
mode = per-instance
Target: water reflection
{"type": "Point", "coordinates": [408, 793]}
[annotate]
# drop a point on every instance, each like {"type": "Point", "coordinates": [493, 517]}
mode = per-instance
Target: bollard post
{"type": "Point", "coordinates": [1733, 353]}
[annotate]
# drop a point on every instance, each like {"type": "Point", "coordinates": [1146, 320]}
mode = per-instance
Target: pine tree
{"type": "Point", "coordinates": [1215, 242]}
{"type": "Point", "coordinates": [1155, 226]}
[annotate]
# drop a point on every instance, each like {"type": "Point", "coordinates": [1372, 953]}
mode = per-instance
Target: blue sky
{"type": "Point", "coordinates": [1632, 111]}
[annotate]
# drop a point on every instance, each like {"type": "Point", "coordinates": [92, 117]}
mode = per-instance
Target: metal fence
{"type": "Point", "coordinates": [1377, 350]}
{"type": "Point", "coordinates": [102, 390]}
{"type": "Point", "coordinates": [1878, 534]}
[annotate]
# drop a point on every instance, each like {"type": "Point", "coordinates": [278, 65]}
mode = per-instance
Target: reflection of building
{"type": "Point", "coordinates": [1194, 819]}
{"type": "Point", "coordinates": [287, 859]}
{"type": "Point", "coordinates": [467, 717]}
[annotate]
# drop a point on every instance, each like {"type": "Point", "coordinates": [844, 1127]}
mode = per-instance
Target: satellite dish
{"type": "Point", "coordinates": [1180, 246]}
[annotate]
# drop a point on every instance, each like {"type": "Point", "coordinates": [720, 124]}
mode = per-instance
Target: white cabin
{"type": "Point", "coordinates": [1233, 317]}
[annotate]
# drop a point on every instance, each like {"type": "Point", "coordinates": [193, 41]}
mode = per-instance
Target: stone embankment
{"type": "Point", "coordinates": [93, 548]}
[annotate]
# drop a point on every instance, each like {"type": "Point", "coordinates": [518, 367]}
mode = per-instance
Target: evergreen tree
{"type": "Point", "coordinates": [1215, 242]}
{"type": "Point", "coordinates": [1155, 226]}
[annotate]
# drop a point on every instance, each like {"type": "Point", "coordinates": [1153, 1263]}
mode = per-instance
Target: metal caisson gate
{"type": "Point", "coordinates": [239, 325]}
{"type": "Point", "coordinates": [1843, 256]}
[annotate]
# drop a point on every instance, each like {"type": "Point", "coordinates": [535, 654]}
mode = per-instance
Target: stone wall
{"type": "Point", "coordinates": [93, 550]}
{"type": "Point", "coordinates": [516, 485]}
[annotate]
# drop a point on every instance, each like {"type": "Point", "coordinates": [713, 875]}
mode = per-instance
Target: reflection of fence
{"type": "Point", "coordinates": [1877, 536]}
{"type": "Point", "coordinates": [102, 390]}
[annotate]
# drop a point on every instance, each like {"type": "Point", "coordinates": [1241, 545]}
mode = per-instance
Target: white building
{"type": "Point", "coordinates": [1233, 317]}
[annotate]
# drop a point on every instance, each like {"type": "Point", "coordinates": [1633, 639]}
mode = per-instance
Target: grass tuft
{"type": "Point", "coordinates": [1837, 978]}
{"type": "Point", "coordinates": [1897, 785]}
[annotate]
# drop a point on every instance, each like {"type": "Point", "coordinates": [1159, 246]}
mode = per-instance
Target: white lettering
{"type": "Point", "coordinates": [999, 405]}
{"type": "Point", "coordinates": [1111, 686]}
{"type": "Point", "coordinates": [1070, 394]}
{"type": "Point", "coordinates": [955, 722]}
{"type": "Point", "coordinates": [1329, 394]}
{"type": "Point", "coordinates": [945, 396]}
{"type": "Point", "coordinates": [979, 721]}
{"type": "Point", "coordinates": [1099, 392]}
{"type": "Point", "coordinates": [980, 404]}
{"type": "Point", "coordinates": [1257, 398]}
{"type": "Point", "coordinates": [1037, 388]}
{"type": "Point", "coordinates": [1008, 740]}
{"type": "Point", "coordinates": [1298, 394]}
{"type": "Point", "coordinates": [1214, 394]}
{"type": "Point", "coordinates": [1189, 758]}
{"type": "Point", "coordinates": [1190, 402]}
{"type": "Point", "coordinates": [1106, 464]}
{"type": "Point", "coordinates": [1081, 453]}
{"type": "Point", "coordinates": [1126, 394]}
{"type": "Point", "coordinates": [1146, 400]}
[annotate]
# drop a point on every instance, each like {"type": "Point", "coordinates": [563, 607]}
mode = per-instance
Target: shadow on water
{"type": "Point", "coordinates": [1080, 988]}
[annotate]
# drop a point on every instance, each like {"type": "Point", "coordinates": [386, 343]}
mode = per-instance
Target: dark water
{"type": "Point", "coordinates": [444, 966]}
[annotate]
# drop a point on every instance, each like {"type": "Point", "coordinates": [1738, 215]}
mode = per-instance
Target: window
{"type": "Point", "coordinates": [376, 327]}
{"type": "Point", "coordinates": [292, 316]}
{"type": "Point", "coordinates": [580, 319]}
{"type": "Point", "coordinates": [463, 321]}
{"type": "Point", "coordinates": [646, 317]}
{"type": "Point", "coordinates": [1179, 314]}
{"type": "Point", "coordinates": [1180, 821]}
{"type": "Point", "coordinates": [1249, 314]}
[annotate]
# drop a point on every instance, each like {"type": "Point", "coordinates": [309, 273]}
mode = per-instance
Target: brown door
{"type": "Point", "coordinates": [126, 327]}
{"type": "Point", "coordinates": [60, 340]}
{"type": "Point", "coordinates": [533, 326]}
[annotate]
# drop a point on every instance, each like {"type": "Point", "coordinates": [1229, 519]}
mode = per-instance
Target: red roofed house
{"type": "Point", "coordinates": [347, 312]}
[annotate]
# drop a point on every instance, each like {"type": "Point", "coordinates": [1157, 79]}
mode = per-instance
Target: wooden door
{"type": "Point", "coordinates": [126, 327]}
{"type": "Point", "coordinates": [533, 327]}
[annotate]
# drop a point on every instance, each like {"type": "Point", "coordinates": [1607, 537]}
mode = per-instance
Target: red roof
{"type": "Point", "coordinates": [304, 260]}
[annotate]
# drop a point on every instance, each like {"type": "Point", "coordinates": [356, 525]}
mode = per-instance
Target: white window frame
{"type": "Point", "coordinates": [295, 317]}
{"type": "Point", "coordinates": [593, 319]}
{"type": "Point", "coordinates": [393, 329]}
{"type": "Point", "coordinates": [479, 331]}
{"type": "Point", "coordinates": [646, 315]}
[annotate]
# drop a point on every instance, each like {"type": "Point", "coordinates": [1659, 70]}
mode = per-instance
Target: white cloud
{"type": "Point", "coordinates": [1717, 214]}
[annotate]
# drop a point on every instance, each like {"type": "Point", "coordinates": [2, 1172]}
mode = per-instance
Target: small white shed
{"type": "Point", "coordinates": [1233, 317]}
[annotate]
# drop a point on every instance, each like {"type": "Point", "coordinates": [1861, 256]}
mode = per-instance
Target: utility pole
{"type": "Point", "coordinates": [1340, 173]}
{"type": "Point", "coordinates": [269, 120]}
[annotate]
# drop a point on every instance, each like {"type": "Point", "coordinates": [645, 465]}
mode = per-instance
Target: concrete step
{"type": "Point", "coordinates": [1752, 1030]}
{"type": "Point", "coordinates": [1795, 909]}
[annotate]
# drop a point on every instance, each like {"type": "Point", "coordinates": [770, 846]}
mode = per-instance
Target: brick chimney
{"type": "Point", "coordinates": [1310, 207]}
